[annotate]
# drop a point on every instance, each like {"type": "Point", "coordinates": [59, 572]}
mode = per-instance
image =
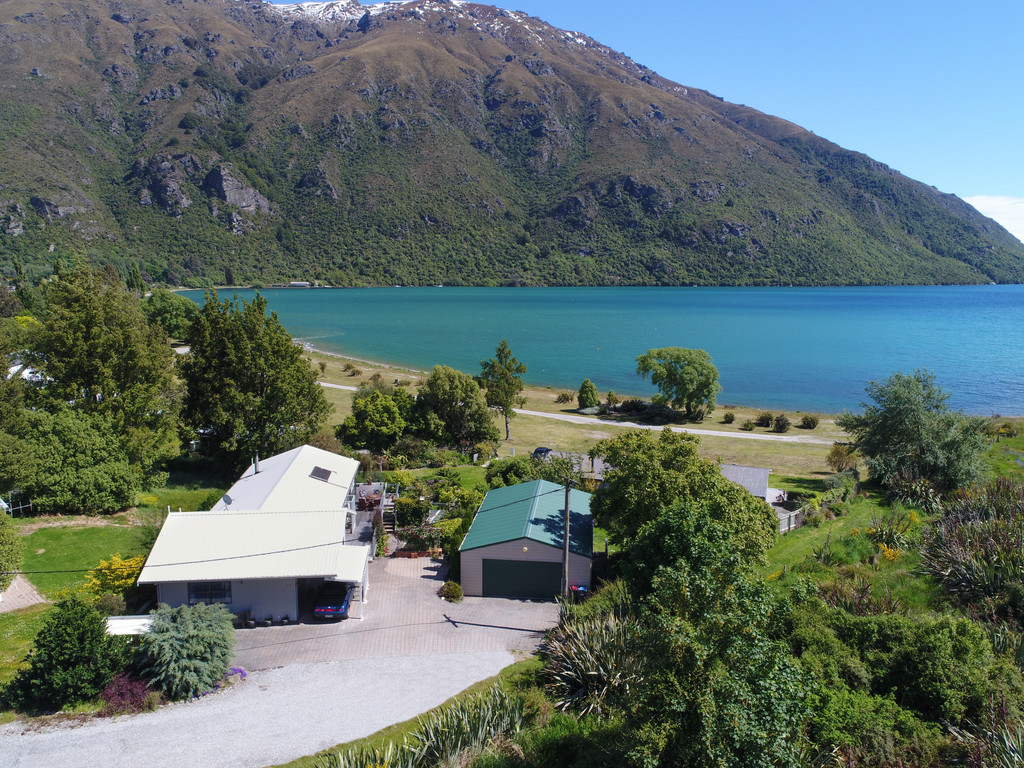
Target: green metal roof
{"type": "Point", "coordinates": [534, 510]}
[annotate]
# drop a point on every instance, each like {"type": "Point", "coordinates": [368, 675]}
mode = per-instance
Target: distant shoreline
{"type": "Point", "coordinates": [719, 408]}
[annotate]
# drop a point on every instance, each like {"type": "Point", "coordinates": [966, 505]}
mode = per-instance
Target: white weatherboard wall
{"type": "Point", "coordinates": [473, 569]}
{"type": "Point", "coordinates": [264, 597]}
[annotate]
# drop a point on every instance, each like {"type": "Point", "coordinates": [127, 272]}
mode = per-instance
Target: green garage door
{"type": "Point", "coordinates": [514, 578]}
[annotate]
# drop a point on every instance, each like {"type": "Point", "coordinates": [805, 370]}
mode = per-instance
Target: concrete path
{"type": "Point", "coordinates": [708, 432]}
{"type": "Point", "coordinates": [21, 594]}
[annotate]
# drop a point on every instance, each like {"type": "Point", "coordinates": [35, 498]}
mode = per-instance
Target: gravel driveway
{"type": "Point", "coordinates": [317, 685]}
{"type": "Point", "coordinates": [272, 717]}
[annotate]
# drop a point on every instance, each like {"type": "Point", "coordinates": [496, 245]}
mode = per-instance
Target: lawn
{"type": "Point", "coordinates": [1006, 457]}
{"type": "Point", "coordinates": [191, 486]}
{"type": "Point", "coordinates": [529, 432]}
{"type": "Point", "coordinates": [57, 558]}
{"type": "Point", "coordinates": [18, 630]}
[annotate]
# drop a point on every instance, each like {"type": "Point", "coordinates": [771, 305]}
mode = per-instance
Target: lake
{"type": "Point", "coordinates": [810, 349]}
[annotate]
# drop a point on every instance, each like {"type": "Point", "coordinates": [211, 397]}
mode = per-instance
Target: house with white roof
{"type": "Point", "coordinates": [279, 531]}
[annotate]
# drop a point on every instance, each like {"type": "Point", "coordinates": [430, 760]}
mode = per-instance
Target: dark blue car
{"type": "Point", "coordinates": [333, 601]}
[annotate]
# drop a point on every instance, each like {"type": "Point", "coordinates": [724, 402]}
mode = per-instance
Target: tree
{"type": "Point", "coordinates": [375, 422]}
{"type": "Point", "coordinates": [909, 433]}
{"type": "Point", "coordinates": [99, 356]}
{"type": "Point", "coordinates": [73, 659]}
{"type": "Point", "coordinates": [70, 462]}
{"type": "Point", "coordinates": [521, 469]}
{"type": "Point", "coordinates": [502, 379]}
{"type": "Point", "coordinates": [588, 396]}
{"type": "Point", "coordinates": [716, 690]}
{"type": "Point", "coordinates": [685, 378]}
{"type": "Point", "coordinates": [10, 551]}
{"type": "Point", "coordinates": [248, 388]}
{"type": "Point", "coordinates": [187, 649]}
{"type": "Point", "coordinates": [451, 409]}
{"type": "Point", "coordinates": [841, 457]}
{"type": "Point", "coordinates": [650, 473]}
{"type": "Point", "coordinates": [170, 311]}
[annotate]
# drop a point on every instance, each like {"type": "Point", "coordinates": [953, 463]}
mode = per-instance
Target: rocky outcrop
{"type": "Point", "coordinates": [50, 210]}
{"type": "Point", "coordinates": [316, 181]}
{"type": "Point", "coordinates": [163, 181]}
{"type": "Point", "coordinates": [222, 183]}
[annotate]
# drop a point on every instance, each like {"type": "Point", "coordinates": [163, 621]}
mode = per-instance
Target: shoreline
{"type": "Point", "coordinates": [765, 368]}
{"type": "Point", "coordinates": [719, 407]}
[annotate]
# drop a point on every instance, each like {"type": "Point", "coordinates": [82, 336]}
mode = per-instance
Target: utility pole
{"type": "Point", "coordinates": [565, 546]}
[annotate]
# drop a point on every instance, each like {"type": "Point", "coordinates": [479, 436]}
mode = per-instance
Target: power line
{"type": "Point", "coordinates": [109, 569]}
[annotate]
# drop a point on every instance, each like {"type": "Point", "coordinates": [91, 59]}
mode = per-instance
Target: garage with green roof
{"type": "Point", "coordinates": [514, 546]}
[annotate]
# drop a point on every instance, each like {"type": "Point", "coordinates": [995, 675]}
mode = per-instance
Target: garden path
{"type": "Point", "coordinates": [21, 594]}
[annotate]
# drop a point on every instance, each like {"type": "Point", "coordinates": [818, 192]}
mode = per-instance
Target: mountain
{"type": "Point", "coordinates": [424, 142]}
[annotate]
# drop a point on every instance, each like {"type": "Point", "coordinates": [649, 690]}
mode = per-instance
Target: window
{"type": "Point", "coordinates": [209, 592]}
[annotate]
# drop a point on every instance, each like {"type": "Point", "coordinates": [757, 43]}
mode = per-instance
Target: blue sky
{"type": "Point", "coordinates": [933, 88]}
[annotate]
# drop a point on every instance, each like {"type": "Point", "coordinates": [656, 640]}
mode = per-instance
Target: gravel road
{"type": "Point", "coordinates": [272, 717]}
{"type": "Point", "coordinates": [689, 430]}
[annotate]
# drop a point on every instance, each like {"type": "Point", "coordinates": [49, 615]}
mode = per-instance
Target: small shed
{"type": "Point", "coordinates": [514, 547]}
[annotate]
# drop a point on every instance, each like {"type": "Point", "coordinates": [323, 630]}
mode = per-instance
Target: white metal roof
{"type": "Point", "coordinates": [128, 625]}
{"type": "Point", "coordinates": [287, 481]}
{"type": "Point", "coordinates": [224, 545]}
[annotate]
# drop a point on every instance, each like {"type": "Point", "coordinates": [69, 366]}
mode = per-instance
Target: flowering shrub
{"type": "Point", "coordinates": [419, 538]}
{"type": "Point", "coordinates": [451, 591]}
{"type": "Point", "coordinates": [889, 553]}
{"type": "Point", "coordinates": [115, 576]}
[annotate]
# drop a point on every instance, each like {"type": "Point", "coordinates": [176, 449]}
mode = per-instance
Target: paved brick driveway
{"type": "Point", "coordinates": [403, 616]}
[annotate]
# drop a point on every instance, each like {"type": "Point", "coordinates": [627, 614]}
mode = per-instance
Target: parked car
{"type": "Point", "coordinates": [333, 601]}
{"type": "Point", "coordinates": [541, 453]}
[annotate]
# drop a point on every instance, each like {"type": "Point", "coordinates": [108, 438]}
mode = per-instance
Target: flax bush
{"type": "Point", "coordinates": [592, 662]}
{"type": "Point", "coordinates": [442, 736]}
{"type": "Point", "coordinates": [976, 550]}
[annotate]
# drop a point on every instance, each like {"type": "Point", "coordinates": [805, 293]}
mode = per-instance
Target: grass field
{"type": "Point", "coordinates": [855, 556]}
{"type": "Point", "coordinates": [1006, 457]}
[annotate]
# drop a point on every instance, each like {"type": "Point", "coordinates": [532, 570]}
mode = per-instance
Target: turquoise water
{"type": "Point", "coordinates": [811, 349]}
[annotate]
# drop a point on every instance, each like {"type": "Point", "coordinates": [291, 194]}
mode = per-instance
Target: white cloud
{"type": "Point", "coordinates": [1008, 211]}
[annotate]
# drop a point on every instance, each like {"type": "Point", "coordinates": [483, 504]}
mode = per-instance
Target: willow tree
{"type": "Point", "coordinates": [686, 378]}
